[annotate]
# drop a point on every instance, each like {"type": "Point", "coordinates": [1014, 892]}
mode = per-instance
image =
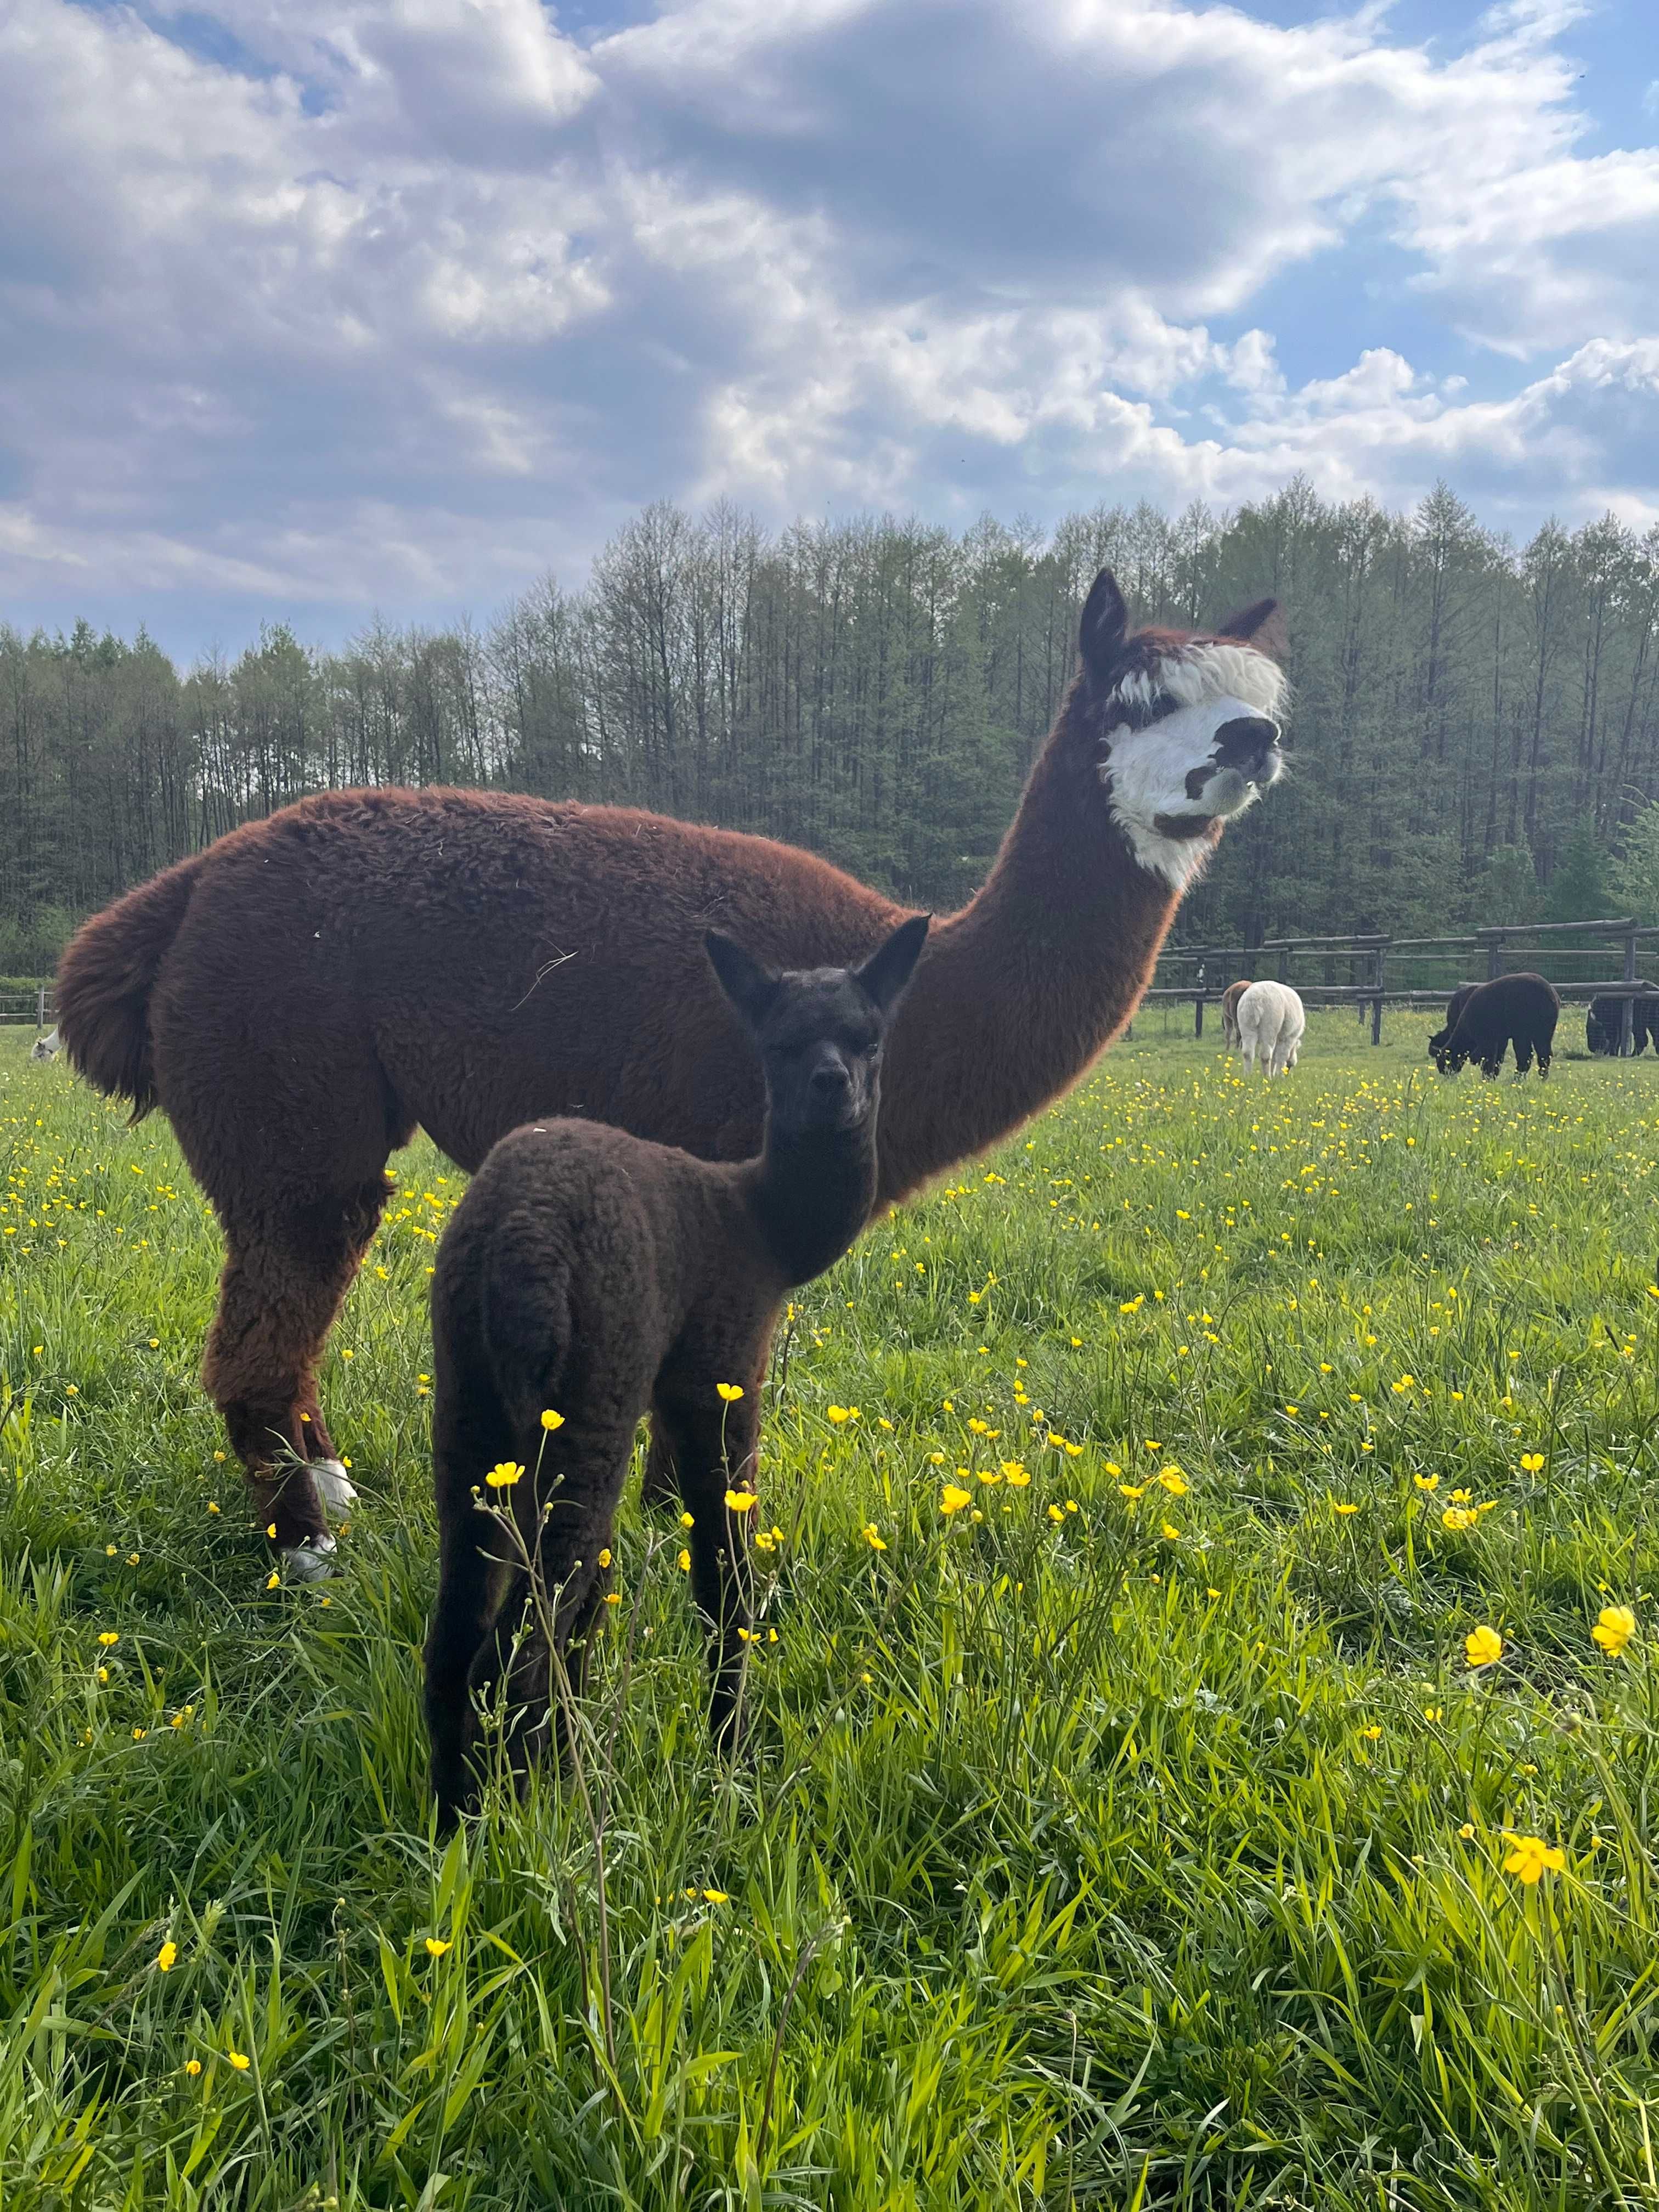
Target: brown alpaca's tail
{"type": "Point", "coordinates": [104, 983]}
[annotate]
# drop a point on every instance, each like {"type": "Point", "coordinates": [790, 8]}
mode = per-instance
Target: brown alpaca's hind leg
{"type": "Point", "coordinates": [280, 1289]}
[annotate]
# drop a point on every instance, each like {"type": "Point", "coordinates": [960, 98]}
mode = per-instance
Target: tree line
{"type": "Point", "coordinates": [1474, 733]}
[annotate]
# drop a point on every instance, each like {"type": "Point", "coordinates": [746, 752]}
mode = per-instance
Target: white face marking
{"type": "Point", "coordinates": [1145, 771]}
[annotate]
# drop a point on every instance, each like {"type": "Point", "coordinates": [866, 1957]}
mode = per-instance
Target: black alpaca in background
{"type": "Point", "coordinates": [1522, 1009]}
{"type": "Point", "coordinates": [589, 1274]}
{"type": "Point", "coordinates": [1605, 1021]}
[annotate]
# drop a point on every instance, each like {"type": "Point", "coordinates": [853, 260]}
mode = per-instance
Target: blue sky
{"type": "Point", "coordinates": [311, 311]}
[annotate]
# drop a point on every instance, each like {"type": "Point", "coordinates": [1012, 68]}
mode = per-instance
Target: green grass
{"type": "Point", "coordinates": [1097, 1849]}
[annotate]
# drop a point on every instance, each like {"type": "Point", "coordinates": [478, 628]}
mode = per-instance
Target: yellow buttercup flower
{"type": "Point", "coordinates": [739, 1501]}
{"type": "Point", "coordinates": [108, 1636]}
{"type": "Point", "coordinates": [1339, 1505]}
{"type": "Point", "coordinates": [685, 1563]}
{"type": "Point", "coordinates": [839, 1414]}
{"type": "Point", "coordinates": [605, 1557]}
{"type": "Point", "coordinates": [166, 1957]}
{"type": "Point", "coordinates": [953, 1497]}
{"type": "Point", "coordinates": [239, 2060]}
{"type": "Point", "coordinates": [1174, 1481]}
{"type": "Point", "coordinates": [436, 1946]}
{"type": "Point", "coordinates": [1532, 1463]}
{"type": "Point", "coordinates": [1483, 1647]}
{"type": "Point", "coordinates": [1530, 1858]}
{"type": "Point", "coordinates": [503, 1476]}
{"type": "Point", "coordinates": [1614, 1629]}
{"type": "Point", "coordinates": [550, 1421]}
{"type": "Point", "coordinates": [1015, 1475]}
{"type": "Point", "coordinates": [873, 1536]}
{"type": "Point", "coordinates": [1426, 1481]}
{"type": "Point", "coordinates": [731, 1392]}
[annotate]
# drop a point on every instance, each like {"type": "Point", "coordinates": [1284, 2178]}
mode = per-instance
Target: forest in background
{"type": "Point", "coordinates": [1475, 734]}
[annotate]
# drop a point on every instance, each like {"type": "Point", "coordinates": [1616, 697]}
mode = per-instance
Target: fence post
{"type": "Point", "coordinates": [1198, 1015]}
{"type": "Point", "coordinates": [1627, 1006]}
{"type": "Point", "coordinates": [1495, 958]}
{"type": "Point", "coordinates": [40, 1000]}
{"type": "Point", "coordinates": [1376, 1003]}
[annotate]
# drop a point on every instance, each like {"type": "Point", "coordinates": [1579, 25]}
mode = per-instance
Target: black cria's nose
{"type": "Point", "coordinates": [1246, 744]}
{"type": "Point", "coordinates": [831, 1080]}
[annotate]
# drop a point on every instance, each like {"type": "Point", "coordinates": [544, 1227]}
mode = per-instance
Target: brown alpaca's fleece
{"type": "Point", "coordinates": [301, 995]}
{"type": "Point", "coordinates": [1229, 998]}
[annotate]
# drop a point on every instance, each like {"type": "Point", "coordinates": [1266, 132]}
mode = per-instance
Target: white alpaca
{"type": "Point", "coordinates": [44, 1048]}
{"type": "Point", "coordinates": [1271, 1021]}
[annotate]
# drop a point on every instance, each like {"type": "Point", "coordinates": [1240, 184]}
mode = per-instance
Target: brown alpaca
{"type": "Point", "coordinates": [304, 993]}
{"type": "Point", "coordinates": [1229, 998]}
{"type": "Point", "coordinates": [593, 1273]}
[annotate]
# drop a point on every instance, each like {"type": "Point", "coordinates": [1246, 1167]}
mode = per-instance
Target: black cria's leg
{"type": "Point", "coordinates": [1522, 1056]}
{"type": "Point", "coordinates": [565, 1522]}
{"type": "Point", "coordinates": [660, 1484]}
{"type": "Point", "coordinates": [1490, 1066]}
{"type": "Point", "coordinates": [715, 1451]}
{"type": "Point", "coordinates": [461, 1621]}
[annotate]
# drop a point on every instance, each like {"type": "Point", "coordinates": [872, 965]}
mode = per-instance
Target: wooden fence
{"type": "Point", "coordinates": [1365, 972]}
{"type": "Point", "coordinates": [38, 1007]}
{"type": "Point", "coordinates": [1584, 960]}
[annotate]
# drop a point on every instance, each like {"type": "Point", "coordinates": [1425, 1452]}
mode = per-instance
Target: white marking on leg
{"type": "Point", "coordinates": [334, 1485]}
{"type": "Point", "coordinates": [312, 1561]}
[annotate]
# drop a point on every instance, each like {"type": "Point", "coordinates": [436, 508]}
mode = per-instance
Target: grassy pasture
{"type": "Point", "coordinates": [1138, 1834]}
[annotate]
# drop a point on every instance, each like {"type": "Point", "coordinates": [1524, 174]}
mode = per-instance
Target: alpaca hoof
{"type": "Point", "coordinates": [334, 1485]}
{"type": "Point", "coordinates": [310, 1561]}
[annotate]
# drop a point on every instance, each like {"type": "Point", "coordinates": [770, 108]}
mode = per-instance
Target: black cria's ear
{"type": "Point", "coordinates": [889, 969]}
{"type": "Point", "coordinates": [751, 988]}
{"type": "Point", "coordinates": [1104, 626]}
{"type": "Point", "coordinates": [1256, 625]}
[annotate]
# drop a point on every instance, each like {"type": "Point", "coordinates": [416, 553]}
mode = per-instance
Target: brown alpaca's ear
{"type": "Point", "coordinates": [1104, 627]}
{"type": "Point", "coordinates": [751, 988]}
{"type": "Point", "coordinates": [1256, 625]}
{"type": "Point", "coordinates": [885, 974]}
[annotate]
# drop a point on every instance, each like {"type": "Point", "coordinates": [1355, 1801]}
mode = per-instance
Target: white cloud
{"type": "Point", "coordinates": [398, 300]}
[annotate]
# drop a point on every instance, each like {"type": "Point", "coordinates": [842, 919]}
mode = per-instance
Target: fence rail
{"type": "Point", "coordinates": [1416, 971]}
{"type": "Point", "coordinates": [38, 1007]}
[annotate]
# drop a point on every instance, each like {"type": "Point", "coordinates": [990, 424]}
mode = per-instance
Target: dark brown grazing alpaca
{"type": "Point", "coordinates": [1442, 1037]}
{"type": "Point", "coordinates": [1229, 998]}
{"type": "Point", "coordinates": [1523, 1008]}
{"type": "Point", "coordinates": [301, 995]}
{"type": "Point", "coordinates": [597, 1275]}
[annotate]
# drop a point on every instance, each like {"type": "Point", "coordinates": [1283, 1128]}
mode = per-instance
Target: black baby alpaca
{"type": "Point", "coordinates": [591, 1273]}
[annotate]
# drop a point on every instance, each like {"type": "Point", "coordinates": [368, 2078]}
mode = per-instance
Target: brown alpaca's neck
{"type": "Point", "coordinates": [1018, 993]}
{"type": "Point", "coordinates": [811, 1195]}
